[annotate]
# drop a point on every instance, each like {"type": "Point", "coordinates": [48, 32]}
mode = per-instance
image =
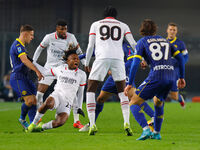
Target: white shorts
{"type": "Point", "coordinates": [101, 67]}
{"type": "Point", "coordinates": [48, 80]}
{"type": "Point", "coordinates": [61, 104]}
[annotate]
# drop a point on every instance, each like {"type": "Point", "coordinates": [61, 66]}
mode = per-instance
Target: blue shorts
{"type": "Point", "coordinates": [23, 87]}
{"type": "Point", "coordinates": [150, 88]}
{"type": "Point", "coordinates": [110, 86]}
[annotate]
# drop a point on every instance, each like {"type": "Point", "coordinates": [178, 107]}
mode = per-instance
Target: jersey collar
{"type": "Point", "coordinates": [173, 40]}
{"type": "Point", "coordinates": [66, 68]}
{"type": "Point", "coordinates": [20, 42]}
{"type": "Point", "coordinates": [56, 36]}
{"type": "Point", "coordinates": [109, 18]}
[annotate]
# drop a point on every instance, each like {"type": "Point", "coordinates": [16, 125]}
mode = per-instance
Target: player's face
{"type": "Point", "coordinates": [29, 35]}
{"type": "Point", "coordinates": [61, 31]}
{"type": "Point", "coordinates": [172, 31]}
{"type": "Point", "coordinates": [73, 61]}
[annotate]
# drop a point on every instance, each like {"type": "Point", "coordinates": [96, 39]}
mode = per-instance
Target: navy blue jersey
{"type": "Point", "coordinates": [157, 52]}
{"type": "Point", "coordinates": [19, 70]}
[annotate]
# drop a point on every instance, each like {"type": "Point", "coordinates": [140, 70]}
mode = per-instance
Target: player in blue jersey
{"type": "Point", "coordinates": [172, 30]}
{"type": "Point", "coordinates": [109, 88]}
{"type": "Point", "coordinates": [157, 52]}
{"type": "Point", "coordinates": [19, 80]}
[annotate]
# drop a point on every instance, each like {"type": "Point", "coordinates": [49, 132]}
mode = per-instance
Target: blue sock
{"type": "Point", "coordinates": [179, 98]}
{"type": "Point", "coordinates": [139, 115]}
{"type": "Point", "coordinates": [99, 108]}
{"type": "Point", "coordinates": [158, 118]}
{"type": "Point", "coordinates": [31, 113]}
{"type": "Point", "coordinates": [147, 109]}
{"type": "Point", "coordinates": [24, 111]}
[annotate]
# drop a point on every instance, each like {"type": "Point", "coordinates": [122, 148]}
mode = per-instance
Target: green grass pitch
{"type": "Point", "coordinates": [180, 131]}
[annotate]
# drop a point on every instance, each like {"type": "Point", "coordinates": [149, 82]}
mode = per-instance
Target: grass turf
{"type": "Point", "coordinates": [180, 130]}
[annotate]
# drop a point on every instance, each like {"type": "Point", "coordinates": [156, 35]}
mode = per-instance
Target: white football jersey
{"type": "Point", "coordinates": [68, 81]}
{"type": "Point", "coordinates": [109, 34]}
{"type": "Point", "coordinates": [55, 48]}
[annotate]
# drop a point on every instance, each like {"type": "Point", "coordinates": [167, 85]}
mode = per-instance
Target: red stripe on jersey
{"type": "Point", "coordinates": [76, 69]}
{"type": "Point", "coordinates": [92, 34]}
{"type": "Point", "coordinates": [109, 18]}
{"type": "Point", "coordinates": [127, 33]}
{"type": "Point", "coordinates": [52, 72]}
{"type": "Point", "coordinates": [42, 46]}
{"type": "Point", "coordinates": [82, 84]}
{"type": "Point", "coordinates": [56, 36]}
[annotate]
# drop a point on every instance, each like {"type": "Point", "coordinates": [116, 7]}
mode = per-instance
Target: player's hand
{"type": "Point", "coordinates": [39, 75]}
{"type": "Point", "coordinates": [181, 83]}
{"type": "Point", "coordinates": [127, 89]}
{"type": "Point", "coordinates": [143, 64]}
{"type": "Point", "coordinates": [87, 69]}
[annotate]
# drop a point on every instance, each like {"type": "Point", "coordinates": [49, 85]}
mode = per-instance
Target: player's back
{"type": "Point", "coordinates": [109, 37]}
{"type": "Point", "coordinates": [157, 52]}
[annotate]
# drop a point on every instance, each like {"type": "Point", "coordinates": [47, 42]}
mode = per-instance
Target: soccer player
{"type": "Point", "coordinates": [70, 80]}
{"type": "Point", "coordinates": [55, 43]}
{"type": "Point", "coordinates": [172, 30]}
{"type": "Point", "coordinates": [19, 80]}
{"type": "Point", "coordinates": [157, 52]}
{"type": "Point", "coordinates": [109, 87]}
{"type": "Point", "coordinates": [107, 36]}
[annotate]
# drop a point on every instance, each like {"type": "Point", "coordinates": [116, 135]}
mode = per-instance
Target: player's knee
{"type": "Point", "coordinates": [31, 101]}
{"type": "Point", "coordinates": [158, 103]}
{"type": "Point", "coordinates": [174, 96]}
{"type": "Point", "coordinates": [100, 99]}
{"type": "Point", "coordinates": [49, 103]}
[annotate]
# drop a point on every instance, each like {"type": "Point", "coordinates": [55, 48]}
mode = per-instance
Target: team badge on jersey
{"type": "Point", "coordinates": [19, 49]}
{"type": "Point", "coordinates": [175, 45]}
{"type": "Point", "coordinates": [24, 92]}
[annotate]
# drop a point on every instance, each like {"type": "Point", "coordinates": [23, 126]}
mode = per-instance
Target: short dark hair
{"type": "Point", "coordinates": [110, 12]}
{"type": "Point", "coordinates": [67, 53]}
{"type": "Point", "coordinates": [172, 24]}
{"type": "Point", "coordinates": [61, 22]}
{"type": "Point", "coordinates": [148, 27]}
{"type": "Point", "coordinates": [26, 27]}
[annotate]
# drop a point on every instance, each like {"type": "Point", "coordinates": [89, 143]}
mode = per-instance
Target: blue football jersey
{"type": "Point", "coordinates": [157, 52]}
{"type": "Point", "coordinates": [19, 70]}
{"type": "Point", "coordinates": [180, 45]}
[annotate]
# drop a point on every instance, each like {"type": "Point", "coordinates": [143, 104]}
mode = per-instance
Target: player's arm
{"type": "Point", "coordinates": [129, 37]}
{"type": "Point", "coordinates": [30, 65]}
{"type": "Point", "coordinates": [90, 47]}
{"type": "Point", "coordinates": [40, 48]}
{"type": "Point", "coordinates": [184, 52]}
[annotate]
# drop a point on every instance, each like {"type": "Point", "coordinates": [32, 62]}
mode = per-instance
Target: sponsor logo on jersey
{"type": "Point", "coordinates": [19, 49]}
{"type": "Point", "coordinates": [67, 80]}
{"type": "Point", "coordinates": [163, 67]}
{"type": "Point", "coordinates": [24, 92]}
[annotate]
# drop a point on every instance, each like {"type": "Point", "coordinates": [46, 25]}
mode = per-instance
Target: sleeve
{"type": "Point", "coordinates": [43, 44]}
{"type": "Point", "coordinates": [54, 71]}
{"type": "Point", "coordinates": [20, 51]}
{"type": "Point", "coordinates": [83, 79]}
{"type": "Point", "coordinates": [184, 51]}
{"type": "Point", "coordinates": [129, 37]}
{"type": "Point", "coordinates": [79, 99]}
{"type": "Point", "coordinates": [91, 44]}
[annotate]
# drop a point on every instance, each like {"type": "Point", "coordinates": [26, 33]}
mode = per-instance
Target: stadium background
{"type": "Point", "coordinates": [80, 14]}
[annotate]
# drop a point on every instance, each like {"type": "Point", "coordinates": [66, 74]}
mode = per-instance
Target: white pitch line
{"type": "Point", "coordinates": [9, 109]}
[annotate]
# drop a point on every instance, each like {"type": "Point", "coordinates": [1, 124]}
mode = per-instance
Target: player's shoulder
{"type": "Point", "coordinates": [70, 34]}
{"type": "Point", "coordinates": [50, 35]}
{"type": "Point", "coordinates": [81, 72]}
{"type": "Point", "coordinates": [180, 41]}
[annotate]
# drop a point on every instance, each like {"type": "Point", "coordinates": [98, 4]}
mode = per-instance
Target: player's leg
{"type": "Point", "coordinates": [91, 103]}
{"type": "Point", "coordinates": [103, 96]}
{"type": "Point", "coordinates": [42, 88]}
{"type": "Point", "coordinates": [158, 118]}
{"type": "Point", "coordinates": [178, 97]}
{"type": "Point", "coordinates": [76, 106]}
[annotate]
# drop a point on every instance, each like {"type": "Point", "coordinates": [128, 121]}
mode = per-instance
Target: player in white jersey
{"type": "Point", "coordinates": [56, 43]}
{"type": "Point", "coordinates": [107, 36]}
{"type": "Point", "coordinates": [70, 80]}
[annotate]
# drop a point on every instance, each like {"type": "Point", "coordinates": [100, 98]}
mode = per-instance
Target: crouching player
{"type": "Point", "coordinates": [157, 52]}
{"type": "Point", "coordinates": [70, 80]}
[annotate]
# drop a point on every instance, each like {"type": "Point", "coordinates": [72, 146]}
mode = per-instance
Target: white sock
{"type": "Point", "coordinates": [76, 117]}
{"type": "Point", "coordinates": [125, 107]}
{"type": "Point", "coordinates": [38, 116]}
{"type": "Point", "coordinates": [146, 127]}
{"type": "Point", "coordinates": [48, 125]}
{"type": "Point", "coordinates": [39, 98]}
{"type": "Point", "coordinates": [91, 106]}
